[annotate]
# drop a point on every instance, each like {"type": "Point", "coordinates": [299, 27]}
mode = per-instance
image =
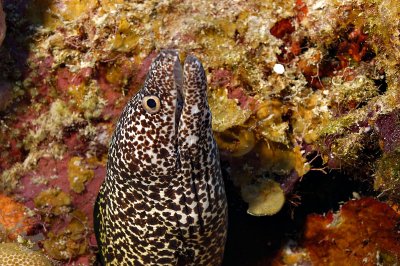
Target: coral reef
{"type": "Point", "coordinates": [365, 105]}
{"type": "Point", "coordinates": [294, 87]}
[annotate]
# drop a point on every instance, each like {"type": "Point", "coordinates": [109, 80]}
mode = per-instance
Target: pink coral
{"type": "Point", "coordinates": [388, 127]}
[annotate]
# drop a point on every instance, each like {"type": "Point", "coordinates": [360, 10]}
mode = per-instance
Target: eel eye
{"type": "Point", "coordinates": [151, 104]}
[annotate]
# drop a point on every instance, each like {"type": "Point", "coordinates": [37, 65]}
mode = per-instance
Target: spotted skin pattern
{"type": "Point", "coordinates": [163, 200]}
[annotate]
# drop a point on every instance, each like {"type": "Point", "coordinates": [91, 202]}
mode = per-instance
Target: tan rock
{"type": "Point", "coordinates": [2, 23]}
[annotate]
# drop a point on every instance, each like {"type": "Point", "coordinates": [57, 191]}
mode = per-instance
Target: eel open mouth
{"type": "Point", "coordinates": [178, 82]}
{"type": "Point", "coordinates": [188, 90]}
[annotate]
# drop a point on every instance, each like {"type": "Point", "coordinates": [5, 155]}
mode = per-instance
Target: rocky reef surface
{"type": "Point", "coordinates": [2, 23]}
{"type": "Point", "coordinates": [305, 102]}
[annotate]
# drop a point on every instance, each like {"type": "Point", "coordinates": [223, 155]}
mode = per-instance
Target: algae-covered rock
{"type": "Point", "coordinates": [79, 172]}
{"type": "Point", "coordinates": [387, 175]}
{"type": "Point", "coordinates": [71, 241]}
{"type": "Point", "coordinates": [54, 200]}
{"type": "Point", "coordinates": [12, 254]}
{"type": "Point", "coordinates": [226, 112]}
{"type": "Point", "coordinates": [364, 231]}
{"type": "Point", "coordinates": [350, 94]}
{"type": "Point", "coordinates": [14, 218]}
{"type": "Point", "coordinates": [237, 141]}
{"type": "Point", "coordinates": [50, 125]}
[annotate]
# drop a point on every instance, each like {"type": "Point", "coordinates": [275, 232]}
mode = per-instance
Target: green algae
{"type": "Point", "coordinates": [387, 175]}
{"type": "Point", "coordinates": [80, 171]}
{"type": "Point", "coordinates": [227, 113]}
{"type": "Point", "coordinates": [53, 201]}
{"type": "Point", "coordinates": [49, 126]}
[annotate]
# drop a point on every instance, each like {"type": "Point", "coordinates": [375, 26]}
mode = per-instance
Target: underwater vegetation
{"type": "Point", "coordinates": [295, 88]}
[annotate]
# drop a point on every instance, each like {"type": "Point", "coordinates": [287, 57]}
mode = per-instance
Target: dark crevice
{"type": "Point", "coordinates": [256, 240]}
{"type": "Point", "coordinates": [381, 84]}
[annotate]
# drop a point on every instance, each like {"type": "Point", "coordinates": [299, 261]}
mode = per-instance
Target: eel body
{"type": "Point", "coordinates": [163, 200]}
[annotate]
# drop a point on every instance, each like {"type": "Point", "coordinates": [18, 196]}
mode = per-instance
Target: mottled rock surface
{"type": "Point", "coordinates": [2, 23]}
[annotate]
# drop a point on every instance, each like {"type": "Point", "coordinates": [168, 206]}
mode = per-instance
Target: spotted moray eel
{"type": "Point", "coordinates": [163, 200]}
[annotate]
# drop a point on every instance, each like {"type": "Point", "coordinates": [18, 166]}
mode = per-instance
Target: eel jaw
{"type": "Point", "coordinates": [178, 80]}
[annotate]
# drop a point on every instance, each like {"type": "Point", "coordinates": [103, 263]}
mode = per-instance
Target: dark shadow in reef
{"type": "Point", "coordinates": [15, 99]}
{"type": "Point", "coordinates": [23, 18]}
{"type": "Point", "coordinates": [254, 241]}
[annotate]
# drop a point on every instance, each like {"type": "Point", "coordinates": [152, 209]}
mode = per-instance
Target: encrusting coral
{"type": "Point", "coordinates": [353, 231]}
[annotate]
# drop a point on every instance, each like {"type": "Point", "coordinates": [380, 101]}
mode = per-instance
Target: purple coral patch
{"type": "Point", "coordinates": [388, 127]}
